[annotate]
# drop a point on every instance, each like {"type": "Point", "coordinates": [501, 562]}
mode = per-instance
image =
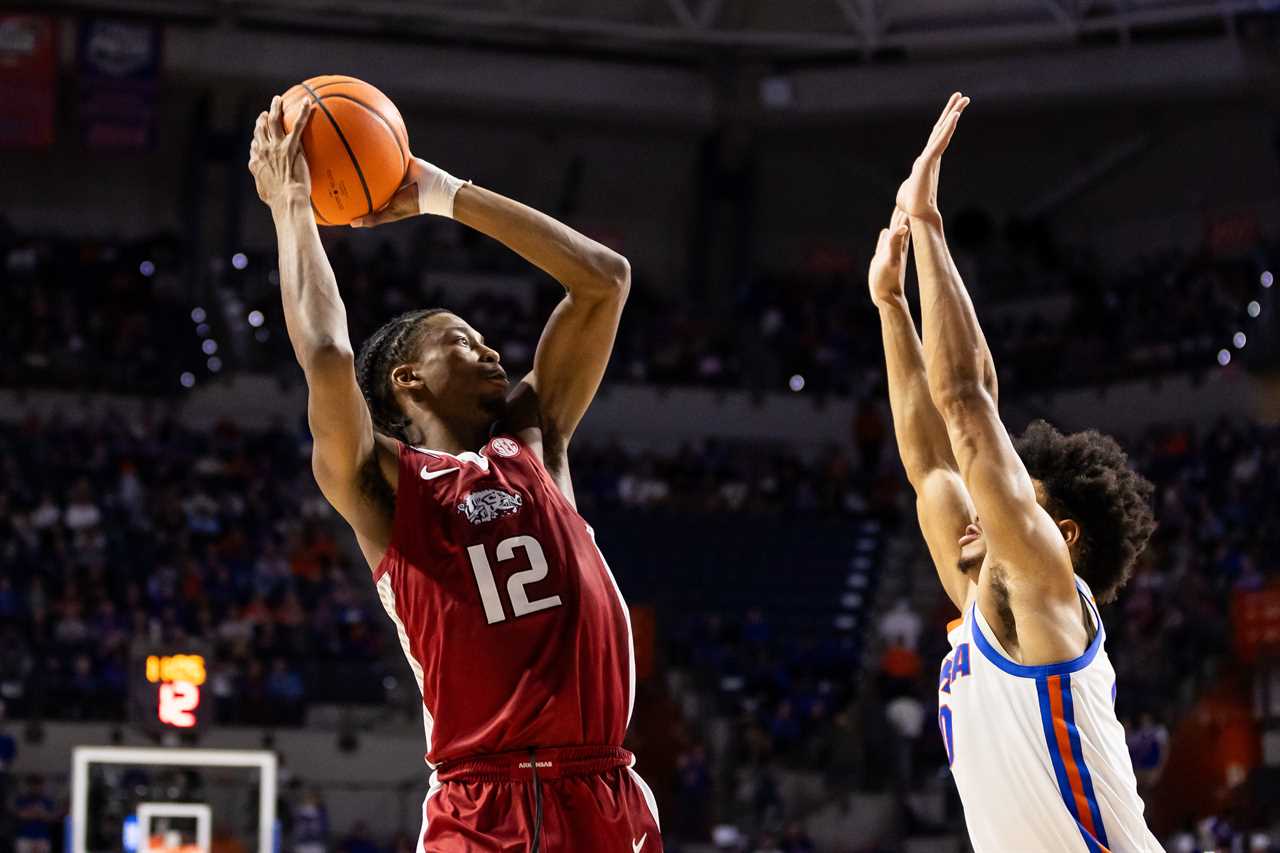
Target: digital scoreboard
{"type": "Point", "coordinates": [167, 689]}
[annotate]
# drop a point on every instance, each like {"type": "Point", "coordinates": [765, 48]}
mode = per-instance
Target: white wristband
{"type": "Point", "coordinates": [436, 189]}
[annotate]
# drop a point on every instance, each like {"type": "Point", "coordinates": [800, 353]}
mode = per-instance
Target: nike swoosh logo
{"type": "Point", "coordinates": [636, 845]}
{"type": "Point", "coordinates": [431, 475]}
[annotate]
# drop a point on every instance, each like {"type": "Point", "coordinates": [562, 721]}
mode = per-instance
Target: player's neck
{"type": "Point", "coordinates": [436, 433]}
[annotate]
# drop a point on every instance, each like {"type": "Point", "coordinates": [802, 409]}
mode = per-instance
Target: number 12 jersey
{"type": "Point", "coordinates": [510, 619]}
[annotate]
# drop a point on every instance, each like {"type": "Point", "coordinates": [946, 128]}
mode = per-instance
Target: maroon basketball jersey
{"type": "Point", "coordinates": [511, 621]}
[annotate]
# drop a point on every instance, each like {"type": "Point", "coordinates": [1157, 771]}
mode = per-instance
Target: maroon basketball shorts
{"type": "Point", "coordinates": [568, 800]}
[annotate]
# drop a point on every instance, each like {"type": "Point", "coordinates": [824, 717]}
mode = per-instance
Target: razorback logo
{"type": "Point", "coordinates": [489, 504]}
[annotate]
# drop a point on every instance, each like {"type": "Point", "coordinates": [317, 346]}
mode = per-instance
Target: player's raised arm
{"type": "Point", "coordinates": [575, 346]}
{"type": "Point", "coordinates": [942, 502]}
{"type": "Point", "coordinates": [345, 444]}
{"type": "Point", "coordinates": [1021, 536]}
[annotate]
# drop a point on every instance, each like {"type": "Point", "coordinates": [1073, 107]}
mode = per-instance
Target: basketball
{"type": "Point", "coordinates": [356, 146]}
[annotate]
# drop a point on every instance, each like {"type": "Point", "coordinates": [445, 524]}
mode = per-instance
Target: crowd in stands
{"type": "Point", "coordinates": [107, 315]}
{"type": "Point", "coordinates": [121, 533]}
{"type": "Point", "coordinates": [124, 535]}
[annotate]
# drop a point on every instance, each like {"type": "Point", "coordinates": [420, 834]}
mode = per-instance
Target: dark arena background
{"type": "Point", "coordinates": [192, 655]}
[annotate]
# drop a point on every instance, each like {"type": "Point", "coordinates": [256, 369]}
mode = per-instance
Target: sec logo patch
{"type": "Point", "coordinates": [504, 447]}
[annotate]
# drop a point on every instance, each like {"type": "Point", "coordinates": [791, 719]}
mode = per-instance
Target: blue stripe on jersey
{"type": "Point", "coordinates": [994, 655]}
{"type": "Point", "coordinates": [1077, 750]}
{"type": "Point", "coordinates": [1059, 769]}
{"type": "Point", "coordinates": [1059, 766]}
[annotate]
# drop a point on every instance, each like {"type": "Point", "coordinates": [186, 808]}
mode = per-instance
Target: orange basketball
{"type": "Point", "coordinates": [356, 146]}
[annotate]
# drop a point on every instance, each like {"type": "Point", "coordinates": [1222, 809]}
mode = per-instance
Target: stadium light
{"type": "Point", "coordinates": [1224, 357]}
{"type": "Point", "coordinates": [239, 260]}
{"type": "Point", "coordinates": [187, 379]}
{"type": "Point", "coordinates": [796, 383]}
{"type": "Point", "coordinates": [147, 268]}
{"type": "Point", "coordinates": [198, 315]}
{"type": "Point", "coordinates": [1254, 308]}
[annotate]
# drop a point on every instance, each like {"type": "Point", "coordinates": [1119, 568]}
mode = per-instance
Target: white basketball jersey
{"type": "Point", "coordinates": [1037, 753]}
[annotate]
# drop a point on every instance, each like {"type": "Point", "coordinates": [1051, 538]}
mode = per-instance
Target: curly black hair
{"type": "Point", "coordinates": [1087, 478]}
{"type": "Point", "coordinates": [390, 345]}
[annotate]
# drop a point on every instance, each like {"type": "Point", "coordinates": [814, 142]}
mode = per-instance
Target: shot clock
{"type": "Point", "coordinates": [167, 689]}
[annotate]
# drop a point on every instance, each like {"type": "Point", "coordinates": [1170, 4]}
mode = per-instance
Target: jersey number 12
{"type": "Point", "coordinates": [520, 603]}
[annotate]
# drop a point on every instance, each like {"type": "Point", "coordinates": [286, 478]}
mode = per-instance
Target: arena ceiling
{"type": "Point", "coordinates": [762, 28]}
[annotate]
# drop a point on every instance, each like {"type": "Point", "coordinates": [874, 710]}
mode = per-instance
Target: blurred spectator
{"type": "Point", "coordinates": [901, 625]}
{"type": "Point", "coordinates": [906, 715]}
{"type": "Point", "coordinates": [358, 840]}
{"type": "Point", "coordinates": [36, 817]}
{"type": "Point", "coordinates": [693, 794]}
{"type": "Point", "coordinates": [1149, 750]}
{"type": "Point", "coordinates": [311, 824]}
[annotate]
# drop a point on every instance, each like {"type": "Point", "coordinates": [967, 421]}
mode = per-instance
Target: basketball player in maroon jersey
{"type": "Point", "coordinates": [457, 486]}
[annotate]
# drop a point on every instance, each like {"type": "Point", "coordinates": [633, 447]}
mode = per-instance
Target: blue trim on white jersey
{"type": "Point", "coordinates": [1077, 751]}
{"type": "Point", "coordinates": [1003, 663]}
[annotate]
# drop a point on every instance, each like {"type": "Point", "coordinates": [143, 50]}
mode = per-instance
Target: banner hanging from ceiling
{"type": "Point", "coordinates": [118, 65]}
{"type": "Point", "coordinates": [28, 78]}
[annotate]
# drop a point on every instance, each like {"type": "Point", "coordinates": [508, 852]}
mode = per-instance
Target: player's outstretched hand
{"type": "Point", "coordinates": [918, 195]}
{"type": "Point", "coordinates": [888, 273]}
{"type": "Point", "coordinates": [274, 156]}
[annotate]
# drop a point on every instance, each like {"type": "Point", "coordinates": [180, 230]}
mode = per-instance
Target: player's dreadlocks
{"type": "Point", "coordinates": [392, 344]}
{"type": "Point", "coordinates": [1088, 479]}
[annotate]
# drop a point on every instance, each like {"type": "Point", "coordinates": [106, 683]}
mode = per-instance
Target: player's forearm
{"type": "Point", "coordinates": [958, 362]}
{"type": "Point", "coordinates": [314, 314]}
{"type": "Point", "coordinates": [587, 269]}
{"type": "Point", "coordinates": [921, 434]}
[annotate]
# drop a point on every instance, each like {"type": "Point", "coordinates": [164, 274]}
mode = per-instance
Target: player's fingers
{"type": "Point", "coordinates": [944, 139]}
{"type": "Point", "coordinates": [898, 242]}
{"type": "Point", "coordinates": [942, 116]}
{"type": "Point", "coordinates": [295, 135]}
{"type": "Point", "coordinates": [260, 127]}
{"type": "Point", "coordinates": [275, 121]}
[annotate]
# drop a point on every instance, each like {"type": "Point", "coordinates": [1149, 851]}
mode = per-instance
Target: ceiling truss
{"type": "Point", "coordinates": [665, 27]}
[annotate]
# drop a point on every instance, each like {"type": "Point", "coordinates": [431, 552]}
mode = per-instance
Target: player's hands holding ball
{"type": "Point", "coordinates": [426, 189]}
{"type": "Point", "coordinates": [279, 171]}
{"type": "Point", "coordinates": [918, 195]}
{"type": "Point", "coordinates": [888, 273]}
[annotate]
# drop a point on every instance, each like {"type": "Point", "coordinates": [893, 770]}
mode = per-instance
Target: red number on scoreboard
{"type": "Point", "coordinates": [178, 701]}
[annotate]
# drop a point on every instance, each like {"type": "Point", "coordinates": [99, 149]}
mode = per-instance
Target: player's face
{"type": "Point", "coordinates": [973, 543]}
{"type": "Point", "coordinates": [973, 547]}
{"type": "Point", "coordinates": [461, 372]}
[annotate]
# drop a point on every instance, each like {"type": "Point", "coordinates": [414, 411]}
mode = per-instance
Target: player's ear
{"type": "Point", "coordinates": [405, 376]}
{"type": "Point", "coordinates": [1070, 532]}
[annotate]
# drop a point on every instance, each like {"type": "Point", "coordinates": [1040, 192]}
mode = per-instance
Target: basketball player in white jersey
{"type": "Point", "coordinates": [1024, 537]}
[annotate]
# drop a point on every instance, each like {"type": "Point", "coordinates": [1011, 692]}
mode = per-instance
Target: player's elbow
{"type": "Point", "coordinates": [611, 279]}
{"type": "Point", "coordinates": [324, 354]}
{"type": "Point", "coordinates": [961, 402]}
